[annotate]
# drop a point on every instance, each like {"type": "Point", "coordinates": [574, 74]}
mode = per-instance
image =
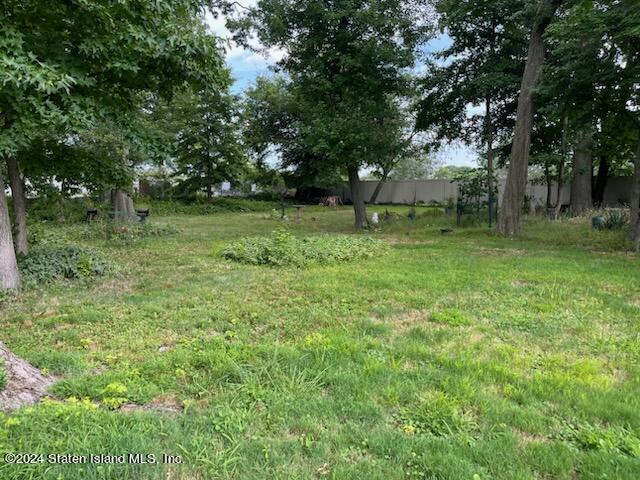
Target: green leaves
{"type": "Point", "coordinates": [60, 62]}
{"type": "Point", "coordinates": [49, 263]}
{"type": "Point", "coordinates": [345, 63]}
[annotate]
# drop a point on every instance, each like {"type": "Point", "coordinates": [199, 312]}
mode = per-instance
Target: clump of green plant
{"type": "Point", "coordinates": [282, 248]}
{"type": "Point", "coordinates": [3, 376]}
{"type": "Point", "coordinates": [43, 233]}
{"type": "Point", "coordinates": [47, 263]}
{"type": "Point", "coordinates": [450, 316]}
{"type": "Point", "coordinates": [614, 439]}
{"type": "Point", "coordinates": [113, 395]}
{"type": "Point", "coordinates": [438, 415]}
{"type": "Point", "coordinates": [616, 219]}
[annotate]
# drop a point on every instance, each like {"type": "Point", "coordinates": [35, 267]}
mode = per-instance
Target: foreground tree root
{"type": "Point", "coordinates": [26, 385]}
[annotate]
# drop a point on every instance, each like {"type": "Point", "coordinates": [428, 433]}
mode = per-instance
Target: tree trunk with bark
{"type": "Point", "coordinates": [558, 205]}
{"type": "Point", "coordinates": [123, 205]}
{"type": "Point", "coordinates": [63, 190]}
{"type": "Point", "coordinates": [378, 189]}
{"type": "Point", "coordinates": [634, 215]}
{"type": "Point", "coordinates": [19, 205]}
{"type": "Point", "coordinates": [601, 180]}
{"type": "Point", "coordinates": [489, 135]}
{"type": "Point", "coordinates": [563, 155]}
{"type": "Point", "coordinates": [513, 196]}
{"type": "Point", "coordinates": [9, 274]}
{"type": "Point", "coordinates": [547, 181]}
{"type": "Point", "coordinates": [582, 173]}
{"type": "Point", "coordinates": [357, 198]}
{"type": "Point", "coordinates": [25, 383]}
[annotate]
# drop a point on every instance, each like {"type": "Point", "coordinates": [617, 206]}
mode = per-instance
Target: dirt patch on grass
{"type": "Point", "coordinates": [498, 252]}
{"type": "Point", "coordinates": [162, 404]}
{"type": "Point", "coordinates": [405, 321]}
{"type": "Point", "coordinates": [527, 437]}
{"type": "Point", "coordinates": [407, 241]}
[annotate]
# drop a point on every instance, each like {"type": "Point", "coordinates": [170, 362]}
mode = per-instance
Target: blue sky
{"type": "Point", "coordinates": [247, 65]}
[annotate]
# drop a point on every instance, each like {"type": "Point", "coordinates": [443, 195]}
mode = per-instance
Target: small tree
{"type": "Point", "coordinates": [473, 191]}
{"type": "Point", "coordinates": [208, 148]}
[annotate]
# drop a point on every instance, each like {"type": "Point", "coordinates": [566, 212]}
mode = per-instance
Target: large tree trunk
{"type": "Point", "coordinates": [378, 189]}
{"type": "Point", "coordinates": [123, 205]}
{"type": "Point", "coordinates": [19, 205]}
{"type": "Point", "coordinates": [357, 198]}
{"type": "Point", "coordinates": [581, 181]}
{"type": "Point", "coordinates": [513, 196]}
{"type": "Point", "coordinates": [601, 180]}
{"type": "Point", "coordinates": [9, 275]}
{"type": "Point", "coordinates": [635, 202]}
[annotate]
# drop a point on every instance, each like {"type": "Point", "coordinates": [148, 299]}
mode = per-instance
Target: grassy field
{"type": "Point", "coordinates": [458, 356]}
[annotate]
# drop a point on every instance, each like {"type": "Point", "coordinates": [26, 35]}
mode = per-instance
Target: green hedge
{"type": "Point", "coordinates": [203, 207]}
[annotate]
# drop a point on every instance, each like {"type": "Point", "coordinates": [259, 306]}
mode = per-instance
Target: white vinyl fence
{"type": "Point", "coordinates": [427, 191]}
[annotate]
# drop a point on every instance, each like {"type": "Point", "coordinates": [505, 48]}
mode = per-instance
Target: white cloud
{"type": "Point", "coordinates": [246, 63]}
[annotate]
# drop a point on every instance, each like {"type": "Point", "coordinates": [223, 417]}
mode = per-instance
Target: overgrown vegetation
{"type": "Point", "coordinates": [282, 248]}
{"type": "Point", "coordinates": [47, 263]}
{"type": "Point", "coordinates": [119, 231]}
{"type": "Point", "coordinates": [204, 207]}
{"type": "Point", "coordinates": [447, 357]}
{"type": "Point", "coordinates": [616, 219]}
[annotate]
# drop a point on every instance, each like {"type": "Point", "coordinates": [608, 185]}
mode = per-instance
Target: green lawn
{"type": "Point", "coordinates": [459, 356]}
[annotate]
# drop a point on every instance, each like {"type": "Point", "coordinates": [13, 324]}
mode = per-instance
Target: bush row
{"type": "Point", "coordinates": [282, 248]}
{"type": "Point", "coordinates": [203, 207]}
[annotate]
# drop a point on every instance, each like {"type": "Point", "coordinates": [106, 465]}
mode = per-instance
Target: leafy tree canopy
{"type": "Point", "coordinates": [64, 63]}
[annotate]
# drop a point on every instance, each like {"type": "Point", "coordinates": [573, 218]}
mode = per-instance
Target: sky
{"type": "Point", "coordinates": [247, 65]}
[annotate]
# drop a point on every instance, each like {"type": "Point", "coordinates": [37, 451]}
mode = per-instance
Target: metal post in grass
{"type": "Point", "coordinates": [282, 206]}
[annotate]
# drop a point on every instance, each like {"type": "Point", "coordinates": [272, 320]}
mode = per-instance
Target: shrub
{"type": "Point", "coordinates": [282, 248]}
{"type": "Point", "coordinates": [47, 263]}
{"type": "Point", "coordinates": [41, 233]}
{"type": "Point", "coordinates": [54, 208]}
{"type": "Point", "coordinates": [616, 219]}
